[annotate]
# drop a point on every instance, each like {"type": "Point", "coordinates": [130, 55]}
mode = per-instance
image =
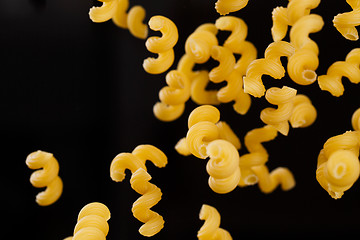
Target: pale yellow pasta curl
{"type": "Point", "coordinates": [303, 63]}
{"type": "Point", "coordinates": [226, 65]}
{"type": "Point", "coordinates": [223, 166]}
{"type": "Point", "coordinates": [211, 229]}
{"type": "Point", "coordinates": [199, 93]}
{"type": "Point", "coordinates": [163, 45]}
{"type": "Point", "coordinates": [338, 164]}
{"type": "Point", "coordinates": [270, 65]}
{"type": "Point", "coordinates": [135, 23]}
{"type": "Point", "coordinates": [283, 98]}
{"type": "Point", "coordinates": [92, 222]}
{"type": "Point", "coordinates": [350, 68]}
{"type": "Point", "coordinates": [304, 113]}
{"type": "Point", "coordinates": [345, 23]}
{"type": "Point", "coordinates": [224, 7]}
{"type": "Point", "coordinates": [355, 120]}
{"type": "Point", "coordinates": [151, 195]}
{"type": "Point", "coordinates": [45, 177]}
{"type": "Point", "coordinates": [280, 23]}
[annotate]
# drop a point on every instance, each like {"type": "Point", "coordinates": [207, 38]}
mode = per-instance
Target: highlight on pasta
{"type": "Point", "coordinates": [46, 177]}
{"type": "Point", "coordinates": [224, 7]}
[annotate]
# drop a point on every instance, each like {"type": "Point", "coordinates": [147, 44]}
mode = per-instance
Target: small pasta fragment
{"type": "Point", "coordinates": [355, 120]}
{"type": "Point", "coordinates": [224, 7]}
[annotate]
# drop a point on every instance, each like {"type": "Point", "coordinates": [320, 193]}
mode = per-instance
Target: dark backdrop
{"type": "Point", "coordinates": [77, 89]}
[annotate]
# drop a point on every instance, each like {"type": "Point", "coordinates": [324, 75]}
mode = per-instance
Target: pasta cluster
{"type": "Point", "coordinates": [211, 228]}
{"type": "Point", "coordinates": [47, 176]}
{"type": "Point", "coordinates": [345, 23]}
{"type": "Point", "coordinates": [135, 162]}
{"type": "Point", "coordinates": [163, 46]}
{"type": "Point", "coordinates": [117, 11]}
{"type": "Point", "coordinates": [92, 222]}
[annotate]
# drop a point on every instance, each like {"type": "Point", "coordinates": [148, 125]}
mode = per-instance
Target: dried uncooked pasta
{"type": "Point", "coordinates": [355, 120]}
{"type": "Point", "coordinates": [224, 7]}
{"type": "Point", "coordinates": [45, 177]}
{"type": "Point", "coordinates": [345, 23]}
{"type": "Point", "coordinates": [304, 113]}
{"type": "Point", "coordinates": [226, 65]}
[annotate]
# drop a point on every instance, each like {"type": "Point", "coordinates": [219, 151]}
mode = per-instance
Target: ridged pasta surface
{"type": "Point", "coordinates": [345, 23]}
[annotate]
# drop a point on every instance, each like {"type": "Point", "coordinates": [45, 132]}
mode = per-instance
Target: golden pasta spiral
{"type": "Point", "coordinates": [299, 8]}
{"type": "Point", "coordinates": [304, 113]}
{"type": "Point", "coordinates": [151, 195]}
{"type": "Point", "coordinates": [270, 65]}
{"type": "Point", "coordinates": [199, 93]}
{"type": "Point", "coordinates": [338, 163]}
{"type": "Point", "coordinates": [355, 120]}
{"type": "Point", "coordinates": [224, 7]}
{"type": "Point", "coordinates": [280, 23]}
{"type": "Point", "coordinates": [92, 222]}
{"type": "Point", "coordinates": [345, 23]}
{"type": "Point", "coordinates": [303, 63]}
{"type": "Point", "coordinates": [226, 65]}
{"type": "Point", "coordinates": [211, 228]}
{"type": "Point", "coordinates": [283, 98]}
{"type": "Point", "coordinates": [163, 45]}
{"type": "Point", "coordinates": [46, 177]}
{"type": "Point", "coordinates": [350, 68]}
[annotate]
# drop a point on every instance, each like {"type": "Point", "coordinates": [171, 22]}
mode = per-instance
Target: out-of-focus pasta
{"type": "Point", "coordinates": [211, 228]}
{"type": "Point", "coordinates": [355, 120]}
{"type": "Point", "coordinates": [224, 7]}
{"type": "Point", "coordinates": [350, 68]}
{"type": "Point", "coordinates": [45, 177]}
{"type": "Point", "coordinates": [226, 65]}
{"type": "Point", "coordinates": [163, 45]}
{"type": "Point", "coordinates": [345, 23]}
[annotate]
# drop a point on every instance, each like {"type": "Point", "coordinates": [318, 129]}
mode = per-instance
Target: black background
{"type": "Point", "coordinates": [77, 89]}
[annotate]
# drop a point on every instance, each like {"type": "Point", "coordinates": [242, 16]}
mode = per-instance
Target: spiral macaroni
{"type": "Point", "coordinates": [345, 23]}
{"type": "Point", "coordinates": [350, 68]}
{"type": "Point", "coordinates": [355, 120]}
{"type": "Point", "coordinates": [224, 7]}
{"type": "Point", "coordinates": [304, 113]}
{"type": "Point", "coordinates": [163, 45]}
{"type": "Point", "coordinates": [226, 65]}
{"type": "Point", "coordinates": [338, 163]}
{"type": "Point", "coordinates": [46, 177]}
{"type": "Point", "coordinates": [92, 222]}
{"type": "Point", "coordinates": [211, 228]}
{"type": "Point", "coordinates": [199, 93]}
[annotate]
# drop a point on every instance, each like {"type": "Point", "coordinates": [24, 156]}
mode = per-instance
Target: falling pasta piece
{"type": "Point", "coordinates": [224, 7]}
{"type": "Point", "coordinates": [345, 23]}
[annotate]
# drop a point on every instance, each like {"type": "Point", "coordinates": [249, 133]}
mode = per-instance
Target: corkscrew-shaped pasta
{"type": "Point", "coordinates": [226, 65]}
{"type": "Point", "coordinates": [304, 113]}
{"type": "Point", "coordinates": [116, 10]}
{"type": "Point", "coordinates": [304, 62]}
{"type": "Point", "coordinates": [270, 65]}
{"type": "Point", "coordinates": [45, 177]}
{"type": "Point", "coordinates": [280, 23]}
{"type": "Point", "coordinates": [151, 195]}
{"type": "Point", "coordinates": [345, 23]}
{"type": "Point", "coordinates": [279, 118]}
{"type": "Point", "coordinates": [173, 97]}
{"type": "Point", "coordinates": [224, 7]}
{"type": "Point", "coordinates": [199, 93]}
{"type": "Point", "coordinates": [163, 45]}
{"type": "Point", "coordinates": [350, 68]}
{"type": "Point", "coordinates": [355, 120]}
{"type": "Point", "coordinates": [211, 227]}
{"type": "Point", "coordinates": [338, 163]}
{"type": "Point", "coordinates": [92, 222]}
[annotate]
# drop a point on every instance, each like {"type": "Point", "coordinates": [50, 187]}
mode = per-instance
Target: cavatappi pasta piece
{"type": "Point", "coordinates": [345, 23]}
{"type": "Point", "coordinates": [299, 8]}
{"type": "Point", "coordinates": [226, 65]}
{"type": "Point", "coordinates": [151, 195]}
{"type": "Point", "coordinates": [116, 10]}
{"type": "Point", "coordinates": [92, 222]}
{"type": "Point", "coordinates": [304, 113]}
{"type": "Point", "coordinates": [257, 153]}
{"type": "Point", "coordinates": [223, 166]}
{"type": "Point", "coordinates": [135, 160]}
{"type": "Point", "coordinates": [163, 45]}
{"type": "Point", "coordinates": [224, 7]}
{"type": "Point", "coordinates": [186, 65]}
{"type": "Point", "coordinates": [338, 163]}
{"type": "Point", "coordinates": [199, 93]}
{"type": "Point", "coordinates": [238, 30]}
{"type": "Point", "coordinates": [211, 228]}
{"type": "Point", "coordinates": [355, 120]}
{"type": "Point", "coordinates": [199, 44]}
{"type": "Point", "coordinates": [279, 118]}
{"type": "Point", "coordinates": [350, 68]}
{"type": "Point", "coordinates": [175, 94]}
{"type": "Point", "coordinates": [304, 62]}
{"type": "Point", "coordinates": [270, 65]}
{"type": "Point", "coordinates": [280, 23]}
{"type": "Point", "coordinates": [45, 177]}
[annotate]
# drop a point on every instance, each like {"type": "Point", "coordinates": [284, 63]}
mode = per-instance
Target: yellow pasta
{"type": "Point", "coordinates": [47, 177]}
{"type": "Point", "coordinates": [175, 94]}
{"type": "Point", "coordinates": [238, 30]}
{"type": "Point", "coordinates": [355, 120]}
{"type": "Point", "coordinates": [350, 68]}
{"type": "Point", "coordinates": [304, 113]}
{"type": "Point", "coordinates": [345, 23]}
{"type": "Point", "coordinates": [224, 7]}
{"type": "Point", "coordinates": [211, 228]}
{"type": "Point", "coordinates": [92, 222]}
{"type": "Point", "coordinates": [280, 23]}
{"type": "Point", "coordinates": [283, 98]}
{"type": "Point", "coordinates": [116, 10]}
{"type": "Point", "coordinates": [199, 93]}
{"type": "Point", "coordinates": [226, 65]}
{"type": "Point", "coordinates": [270, 65]}
{"type": "Point", "coordinates": [338, 163]}
{"type": "Point", "coordinates": [163, 45]}
{"type": "Point", "coordinates": [151, 195]}
{"type": "Point", "coordinates": [303, 63]}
